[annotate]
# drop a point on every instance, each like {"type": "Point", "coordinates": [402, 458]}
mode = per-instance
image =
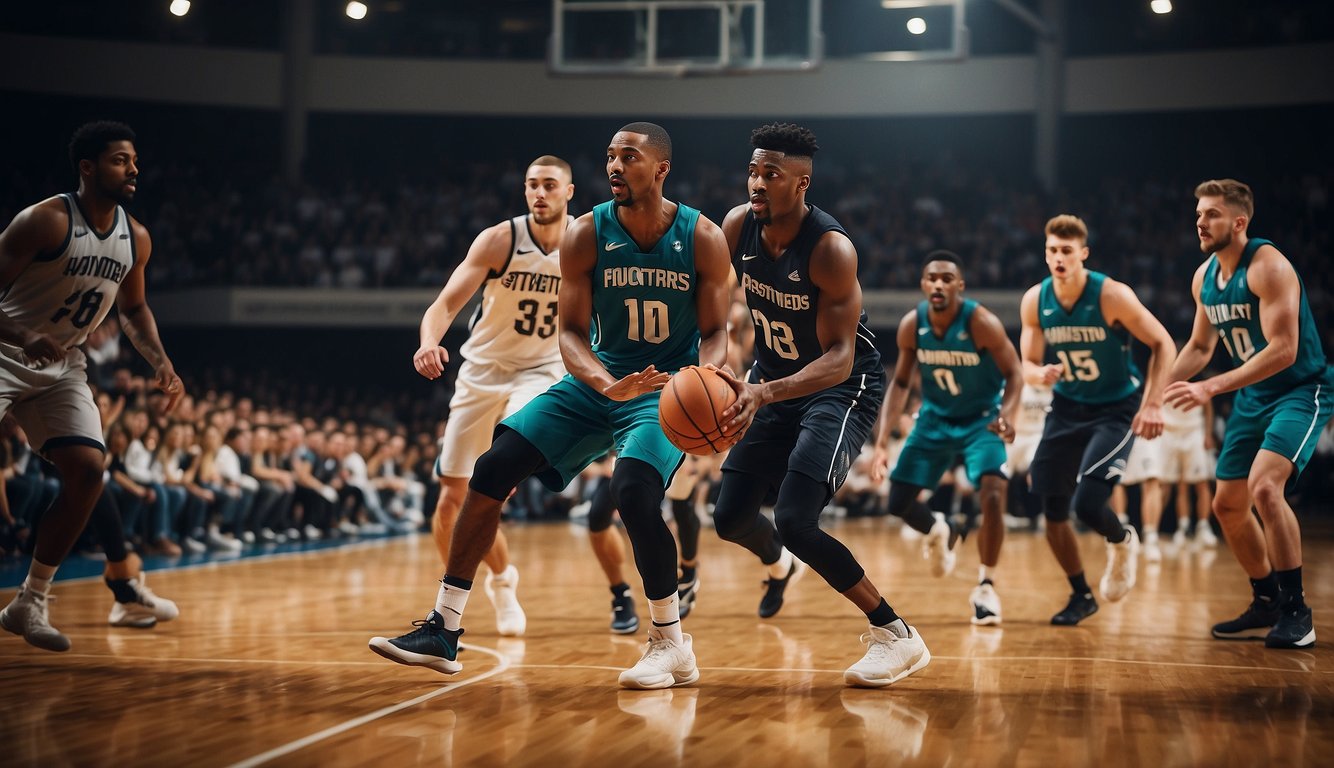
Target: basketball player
{"type": "Point", "coordinates": [64, 261]}
{"type": "Point", "coordinates": [971, 382]}
{"type": "Point", "coordinates": [1076, 333]}
{"type": "Point", "coordinates": [813, 394]}
{"type": "Point", "coordinates": [647, 277]}
{"type": "Point", "coordinates": [510, 356]}
{"type": "Point", "coordinates": [1248, 295]}
{"type": "Point", "coordinates": [1189, 461]}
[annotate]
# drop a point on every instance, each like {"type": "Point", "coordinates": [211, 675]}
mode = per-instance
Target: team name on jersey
{"type": "Point", "coordinates": [953, 358]}
{"type": "Point", "coordinates": [1074, 334]}
{"type": "Point", "coordinates": [104, 267]}
{"type": "Point", "coordinates": [650, 277]}
{"type": "Point", "coordinates": [769, 293]}
{"type": "Point", "coordinates": [531, 281]}
{"type": "Point", "coordinates": [1222, 313]}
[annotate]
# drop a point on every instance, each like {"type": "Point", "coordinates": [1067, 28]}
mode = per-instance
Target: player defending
{"type": "Point", "coordinates": [511, 354]}
{"type": "Point", "coordinates": [813, 394]}
{"type": "Point", "coordinates": [1076, 334]}
{"type": "Point", "coordinates": [1248, 295]}
{"type": "Point", "coordinates": [971, 384]}
{"type": "Point", "coordinates": [63, 262]}
{"type": "Point", "coordinates": [648, 277]}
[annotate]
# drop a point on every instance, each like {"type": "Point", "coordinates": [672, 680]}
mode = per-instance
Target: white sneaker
{"type": "Point", "coordinates": [1179, 538]}
{"type": "Point", "coordinates": [1205, 537]}
{"type": "Point", "coordinates": [502, 589]}
{"type": "Point", "coordinates": [26, 615]}
{"type": "Point", "coordinates": [147, 609]}
{"type": "Point", "coordinates": [1152, 552]}
{"type": "Point", "coordinates": [194, 546]}
{"type": "Point", "coordinates": [248, 537]}
{"type": "Point", "coordinates": [936, 547]}
{"type": "Point", "coordinates": [986, 605]}
{"type": "Point", "coordinates": [223, 542]}
{"type": "Point", "coordinates": [889, 658]}
{"type": "Point", "coordinates": [1122, 561]}
{"type": "Point", "coordinates": [348, 528]}
{"type": "Point", "coordinates": [312, 533]}
{"type": "Point", "coordinates": [663, 665]}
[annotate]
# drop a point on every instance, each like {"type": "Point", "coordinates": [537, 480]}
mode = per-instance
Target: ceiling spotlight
{"type": "Point", "coordinates": [179, 7]}
{"type": "Point", "coordinates": [916, 25]}
{"type": "Point", "coordinates": [356, 10]}
{"type": "Point", "coordinates": [1160, 6]}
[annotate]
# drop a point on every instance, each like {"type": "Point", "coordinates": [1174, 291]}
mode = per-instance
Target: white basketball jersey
{"type": "Point", "coordinates": [67, 294]}
{"type": "Point", "coordinates": [1034, 405]}
{"type": "Point", "coordinates": [515, 325]}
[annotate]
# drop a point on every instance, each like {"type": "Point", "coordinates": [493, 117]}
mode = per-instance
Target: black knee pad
{"type": "Point", "coordinates": [1056, 509]}
{"type": "Point", "coordinates": [636, 488]}
{"type": "Point", "coordinates": [510, 460]}
{"type": "Point", "coordinates": [600, 508]}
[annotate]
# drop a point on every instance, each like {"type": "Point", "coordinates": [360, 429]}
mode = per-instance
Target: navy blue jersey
{"type": "Point", "coordinates": [783, 300]}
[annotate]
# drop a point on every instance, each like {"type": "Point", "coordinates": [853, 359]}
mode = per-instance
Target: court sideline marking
{"type": "Point", "coordinates": [357, 722]}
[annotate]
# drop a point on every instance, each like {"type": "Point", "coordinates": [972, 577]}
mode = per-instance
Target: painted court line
{"type": "Point", "coordinates": [328, 733]}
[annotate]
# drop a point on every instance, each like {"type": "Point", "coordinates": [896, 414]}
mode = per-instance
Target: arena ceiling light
{"type": "Point", "coordinates": [1161, 6]}
{"type": "Point", "coordinates": [917, 25]}
{"type": "Point", "coordinates": [179, 7]}
{"type": "Point", "coordinates": [356, 10]}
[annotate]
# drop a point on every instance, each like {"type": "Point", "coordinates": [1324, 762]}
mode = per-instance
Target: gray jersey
{"type": "Point", "coordinates": [515, 325]}
{"type": "Point", "coordinates": [66, 294]}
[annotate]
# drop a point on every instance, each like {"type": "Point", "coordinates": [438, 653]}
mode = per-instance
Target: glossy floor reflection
{"type": "Point", "coordinates": [268, 665]}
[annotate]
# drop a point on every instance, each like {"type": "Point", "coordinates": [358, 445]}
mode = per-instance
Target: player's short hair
{"type": "Point", "coordinates": [553, 161]}
{"type": "Point", "coordinates": [657, 137]}
{"type": "Point", "coordinates": [942, 255]}
{"type": "Point", "coordinates": [91, 140]}
{"type": "Point", "coordinates": [1233, 192]}
{"type": "Point", "coordinates": [1068, 226]}
{"type": "Point", "coordinates": [788, 138]}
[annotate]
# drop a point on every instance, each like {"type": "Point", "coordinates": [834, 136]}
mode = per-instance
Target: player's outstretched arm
{"type": "Point", "coordinates": [1199, 348]}
{"type": "Point", "coordinates": [38, 229]}
{"type": "Point", "coordinates": [1121, 305]}
{"type": "Point", "coordinates": [139, 324]}
{"type": "Point", "coordinates": [485, 258]}
{"type": "Point", "coordinates": [989, 333]}
{"type": "Point", "coordinates": [1032, 346]}
{"type": "Point", "coordinates": [900, 384]}
{"type": "Point", "coordinates": [713, 270]}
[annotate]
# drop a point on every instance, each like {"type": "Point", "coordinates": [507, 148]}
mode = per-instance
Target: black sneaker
{"type": "Point", "coordinates": [1254, 624]}
{"type": "Point", "coordinates": [624, 620]}
{"type": "Point", "coordinates": [429, 645]}
{"type": "Point", "coordinates": [772, 602]}
{"type": "Point", "coordinates": [1079, 608]}
{"type": "Point", "coordinates": [1293, 630]}
{"type": "Point", "coordinates": [686, 592]}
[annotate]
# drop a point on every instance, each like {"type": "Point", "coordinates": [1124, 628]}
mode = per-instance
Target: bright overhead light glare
{"type": "Point", "coordinates": [356, 10]}
{"type": "Point", "coordinates": [179, 7]}
{"type": "Point", "coordinates": [916, 25]}
{"type": "Point", "coordinates": [1161, 6]}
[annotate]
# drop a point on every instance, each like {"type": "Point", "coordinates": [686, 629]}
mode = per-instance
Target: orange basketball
{"type": "Point", "coordinates": [691, 410]}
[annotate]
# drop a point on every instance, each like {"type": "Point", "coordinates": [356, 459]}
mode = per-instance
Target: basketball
{"type": "Point", "coordinates": [691, 410]}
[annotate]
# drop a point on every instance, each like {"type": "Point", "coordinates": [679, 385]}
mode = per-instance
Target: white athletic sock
{"type": "Point", "coordinates": [1151, 537]}
{"type": "Point", "coordinates": [780, 568]}
{"type": "Point", "coordinates": [667, 612]}
{"type": "Point", "coordinates": [39, 577]}
{"type": "Point", "coordinates": [504, 578]}
{"type": "Point", "coordinates": [983, 573]}
{"type": "Point", "coordinates": [449, 603]}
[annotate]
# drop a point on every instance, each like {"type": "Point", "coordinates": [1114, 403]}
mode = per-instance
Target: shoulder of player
{"type": "Point", "coordinates": [984, 324]}
{"type": "Point", "coordinates": [833, 257]}
{"type": "Point", "coordinates": [734, 219]}
{"type": "Point", "coordinates": [142, 240]}
{"type": "Point", "coordinates": [1269, 268]}
{"type": "Point", "coordinates": [46, 221]}
{"type": "Point", "coordinates": [1028, 306]}
{"type": "Point", "coordinates": [907, 334]}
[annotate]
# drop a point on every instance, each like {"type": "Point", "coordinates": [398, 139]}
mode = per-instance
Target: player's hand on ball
{"type": "Point", "coordinates": [648, 380]}
{"type": "Point", "coordinates": [737, 417]}
{"type": "Point", "coordinates": [430, 361]}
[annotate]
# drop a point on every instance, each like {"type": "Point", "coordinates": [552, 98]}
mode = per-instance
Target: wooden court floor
{"type": "Point", "coordinates": [268, 665]}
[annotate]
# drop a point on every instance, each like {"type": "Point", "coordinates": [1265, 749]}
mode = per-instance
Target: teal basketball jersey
{"type": "Point", "coordinates": [644, 302]}
{"type": "Point", "coordinates": [959, 381]}
{"type": "Point", "coordinates": [1234, 312]}
{"type": "Point", "coordinates": [1096, 356]}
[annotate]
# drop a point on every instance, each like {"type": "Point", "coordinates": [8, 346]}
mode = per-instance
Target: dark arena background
{"type": "Point", "coordinates": [313, 171]}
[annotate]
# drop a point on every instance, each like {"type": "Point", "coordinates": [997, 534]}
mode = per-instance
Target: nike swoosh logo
{"type": "Point", "coordinates": [613, 246]}
{"type": "Point", "coordinates": [522, 251]}
{"type": "Point", "coordinates": [1048, 311]}
{"type": "Point", "coordinates": [124, 237]}
{"type": "Point", "coordinates": [748, 257]}
{"type": "Point", "coordinates": [923, 331]}
{"type": "Point", "coordinates": [80, 232]}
